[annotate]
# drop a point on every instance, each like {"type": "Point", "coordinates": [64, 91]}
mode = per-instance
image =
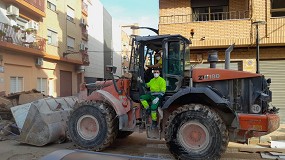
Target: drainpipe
{"type": "Point", "coordinates": [213, 58]}
{"type": "Point", "coordinates": [228, 56]}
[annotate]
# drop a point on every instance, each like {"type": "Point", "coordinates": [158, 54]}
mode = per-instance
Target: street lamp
{"type": "Point", "coordinates": [152, 29]}
{"type": "Point", "coordinates": [256, 23]}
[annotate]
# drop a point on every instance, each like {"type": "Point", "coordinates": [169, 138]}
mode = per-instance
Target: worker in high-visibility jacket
{"type": "Point", "coordinates": [157, 87]}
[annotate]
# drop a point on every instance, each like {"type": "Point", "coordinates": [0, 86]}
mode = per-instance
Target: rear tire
{"type": "Point", "coordinates": [195, 131]}
{"type": "Point", "coordinates": [93, 126]}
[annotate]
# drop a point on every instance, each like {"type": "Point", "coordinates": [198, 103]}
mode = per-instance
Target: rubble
{"type": "Point", "coordinates": [14, 99]}
{"type": "Point", "coordinates": [5, 104]}
{"type": "Point", "coordinates": [7, 128]}
{"type": "Point", "coordinates": [7, 123]}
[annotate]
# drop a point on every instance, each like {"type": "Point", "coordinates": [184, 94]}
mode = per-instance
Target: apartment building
{"type": "Point", "coordinates": [127, 33]}
{"type": "Point", "coordinates": [103, 40]}
{"type": "Point", "coordinates": [42, 46]}
{"type": "Point", "coordinates": [216, 24]}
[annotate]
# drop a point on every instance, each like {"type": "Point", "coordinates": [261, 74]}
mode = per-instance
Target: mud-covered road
{"type": "Point", "coordinates": [136, 144]}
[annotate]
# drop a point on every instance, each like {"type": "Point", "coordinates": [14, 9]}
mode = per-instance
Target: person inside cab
{"type": "Point", "coordinates": [158, 60]}
{"type": "Point", "coordinates": [157, 87]}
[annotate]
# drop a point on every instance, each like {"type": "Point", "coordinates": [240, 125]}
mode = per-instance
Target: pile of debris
{"type": "Point", "coordinates": [271, 146]}
{"type": "Point", "coordinates": [8, 126]}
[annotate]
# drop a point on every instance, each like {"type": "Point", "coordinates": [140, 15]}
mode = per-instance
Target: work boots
{"type": "Point", "coordinates": [154, 125]}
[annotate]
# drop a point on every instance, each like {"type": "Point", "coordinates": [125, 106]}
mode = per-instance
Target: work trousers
{"type": "Point", "coordinates": [145, 99]}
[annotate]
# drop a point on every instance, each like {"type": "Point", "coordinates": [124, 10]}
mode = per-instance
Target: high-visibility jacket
{"type": "Point", "coordinates": [160, 63]}
{"type": "Point", "coordinates": [157, 85]}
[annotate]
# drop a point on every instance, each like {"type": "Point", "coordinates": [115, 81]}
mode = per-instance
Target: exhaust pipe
{"type": "Point", "coordinates": [228, 56]}
{"type": "Point", "coordinates": [213, 58]}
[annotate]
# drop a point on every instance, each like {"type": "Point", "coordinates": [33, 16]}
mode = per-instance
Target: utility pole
{"type": "Point", "coordinates": [256, 23]}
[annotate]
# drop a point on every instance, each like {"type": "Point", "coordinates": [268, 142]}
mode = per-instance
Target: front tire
{"type": "Point", "coordinates": [93, 126]}
{"type": "Point", "coordinates": [195, 131]}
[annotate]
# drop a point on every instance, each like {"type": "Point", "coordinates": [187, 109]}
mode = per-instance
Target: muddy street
{"type": "Point", "coordinates": [136, 145]}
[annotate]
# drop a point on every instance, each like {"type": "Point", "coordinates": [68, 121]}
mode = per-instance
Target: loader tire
{"type": "Point", "coordinates": [124, 134]}
{"type": "Point", "coordinates": [93, 126]}
{"type": "Point", "coordinates": [195, 131]}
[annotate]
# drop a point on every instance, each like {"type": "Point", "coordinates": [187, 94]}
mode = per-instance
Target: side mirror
{"type": "Point", "coordinates": [111, 69]}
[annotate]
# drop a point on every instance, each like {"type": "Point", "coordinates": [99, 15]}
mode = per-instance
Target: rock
{"type": "Point", "coordinates": [5, 127]}
{"type": "Point", "coordinates": [27, 98]}
{"type": "Point", "coordinates": [5, 104]}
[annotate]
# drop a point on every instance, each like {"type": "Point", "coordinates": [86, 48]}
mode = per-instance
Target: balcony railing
{"type": "Point", "coordinates": [40, 4]}
{"type": "Point", "coordinates": [84, 33]}
{"type": "Point", "coordinates": [85, 58]}
{"type": "Point", "coordinates": [84, 8]}
{"type": "Point", "coordinates": [27, 38]}
{"type": "Point", "coordinates": [197, 17]}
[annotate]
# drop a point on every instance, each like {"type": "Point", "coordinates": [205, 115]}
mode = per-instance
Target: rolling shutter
{"type": "Point", "coordinates": [275, 69]}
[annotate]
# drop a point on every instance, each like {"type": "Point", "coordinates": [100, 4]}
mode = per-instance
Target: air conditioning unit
{"type": "Point", "coordinates": [82, 46]}
{"type": "Point", "coordinates": [33, 24]}
{"type": "Point", "coordinates": [39, 61]}
{"type": "Point", "coordinates": [13, 11]}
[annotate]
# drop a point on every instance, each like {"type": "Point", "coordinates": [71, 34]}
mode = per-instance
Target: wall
{"type": "Point", "coordinates": [117, 49]}
{"type": "Point", "coordinates": [57, 22]}
{"type": "Point", "coordinates": [95, 41]}
{"type": "Point", "coordinates": [108, 49]}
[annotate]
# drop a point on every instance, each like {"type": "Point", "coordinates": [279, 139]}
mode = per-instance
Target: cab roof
{"type": "Point", "coordinates": [160, 38]}
{"type": "Point", "coordinates": [155, 42]}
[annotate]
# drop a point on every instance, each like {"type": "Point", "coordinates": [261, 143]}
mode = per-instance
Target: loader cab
{"type": "Point", "coordinates": [174, 63]}
{"type": "Point", "coordinates": [173, 49]}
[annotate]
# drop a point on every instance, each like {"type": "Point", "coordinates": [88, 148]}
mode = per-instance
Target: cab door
{"type": "Point", "coordinates": [173, 63]}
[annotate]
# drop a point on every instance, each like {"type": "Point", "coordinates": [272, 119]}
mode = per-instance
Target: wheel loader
{"type": "Point", "coordinates": [202, 110]}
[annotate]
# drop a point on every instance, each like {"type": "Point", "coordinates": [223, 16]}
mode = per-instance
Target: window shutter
{"type": "Point", "coordinates": [70, 42]}
{"type": "Point", "coordinates": [13, 85]}
{"type": "Point", "coordinates": [70, 12]}
{"type": "Point", "coordinates": [20, 84]}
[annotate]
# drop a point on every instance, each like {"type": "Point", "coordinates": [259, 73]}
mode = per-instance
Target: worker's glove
{"type": "Point", "coordinates": [140, 80]}
{"type": "Point", "coordinates": [155, 100]}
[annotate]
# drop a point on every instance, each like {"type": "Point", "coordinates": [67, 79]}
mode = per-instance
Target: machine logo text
{"type": "Point", "coordinates": [209, 76]}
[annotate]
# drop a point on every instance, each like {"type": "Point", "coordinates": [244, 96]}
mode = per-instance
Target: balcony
{"type": "Point", "coordinates": [224, 28]}
{"type": "Point", "coordinates": [84, 33]}
{"type": "Point", "coordinates": [85, 58]}
{"type": "Point", "coordinates": [84, 8]}
{"type": "Point", "coordinates": [198, 17]}
{"type": "Point", "coordinates": [13, 38]}
{"type": "Point", "coordinates": [39, 4]}
{"type": "Point", "coordinates": [33, 7]}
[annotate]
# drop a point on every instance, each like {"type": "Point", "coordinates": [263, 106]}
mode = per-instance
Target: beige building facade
{"type": "Point", "coordinates": [41, 46]}
{"type": "Point", "coordinates": [216, 24]}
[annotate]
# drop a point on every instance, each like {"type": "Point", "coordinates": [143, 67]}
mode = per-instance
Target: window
{"type": "Point", "coordinates": [70, 14]}
{"type": "Point", "coordinates": [277, 8]}
{"type": "Point", "coordinates": [206, 10]}
{"type": "Point", "coordinates": [42, 85]}
{"type": "Point", "coordinates": [16, 84]}
{"type": "Point", "coordinates": [175, 58]}
{"type": "Point", "coordinates": [51, 4]}
{"type": "Point", "coordinates": [70, 42]}
{"type": "Point", "coordinates": [52, 38]}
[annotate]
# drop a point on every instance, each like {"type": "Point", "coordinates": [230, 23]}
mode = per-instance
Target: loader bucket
{"type": "Point", "coordinates": [43, 121]}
